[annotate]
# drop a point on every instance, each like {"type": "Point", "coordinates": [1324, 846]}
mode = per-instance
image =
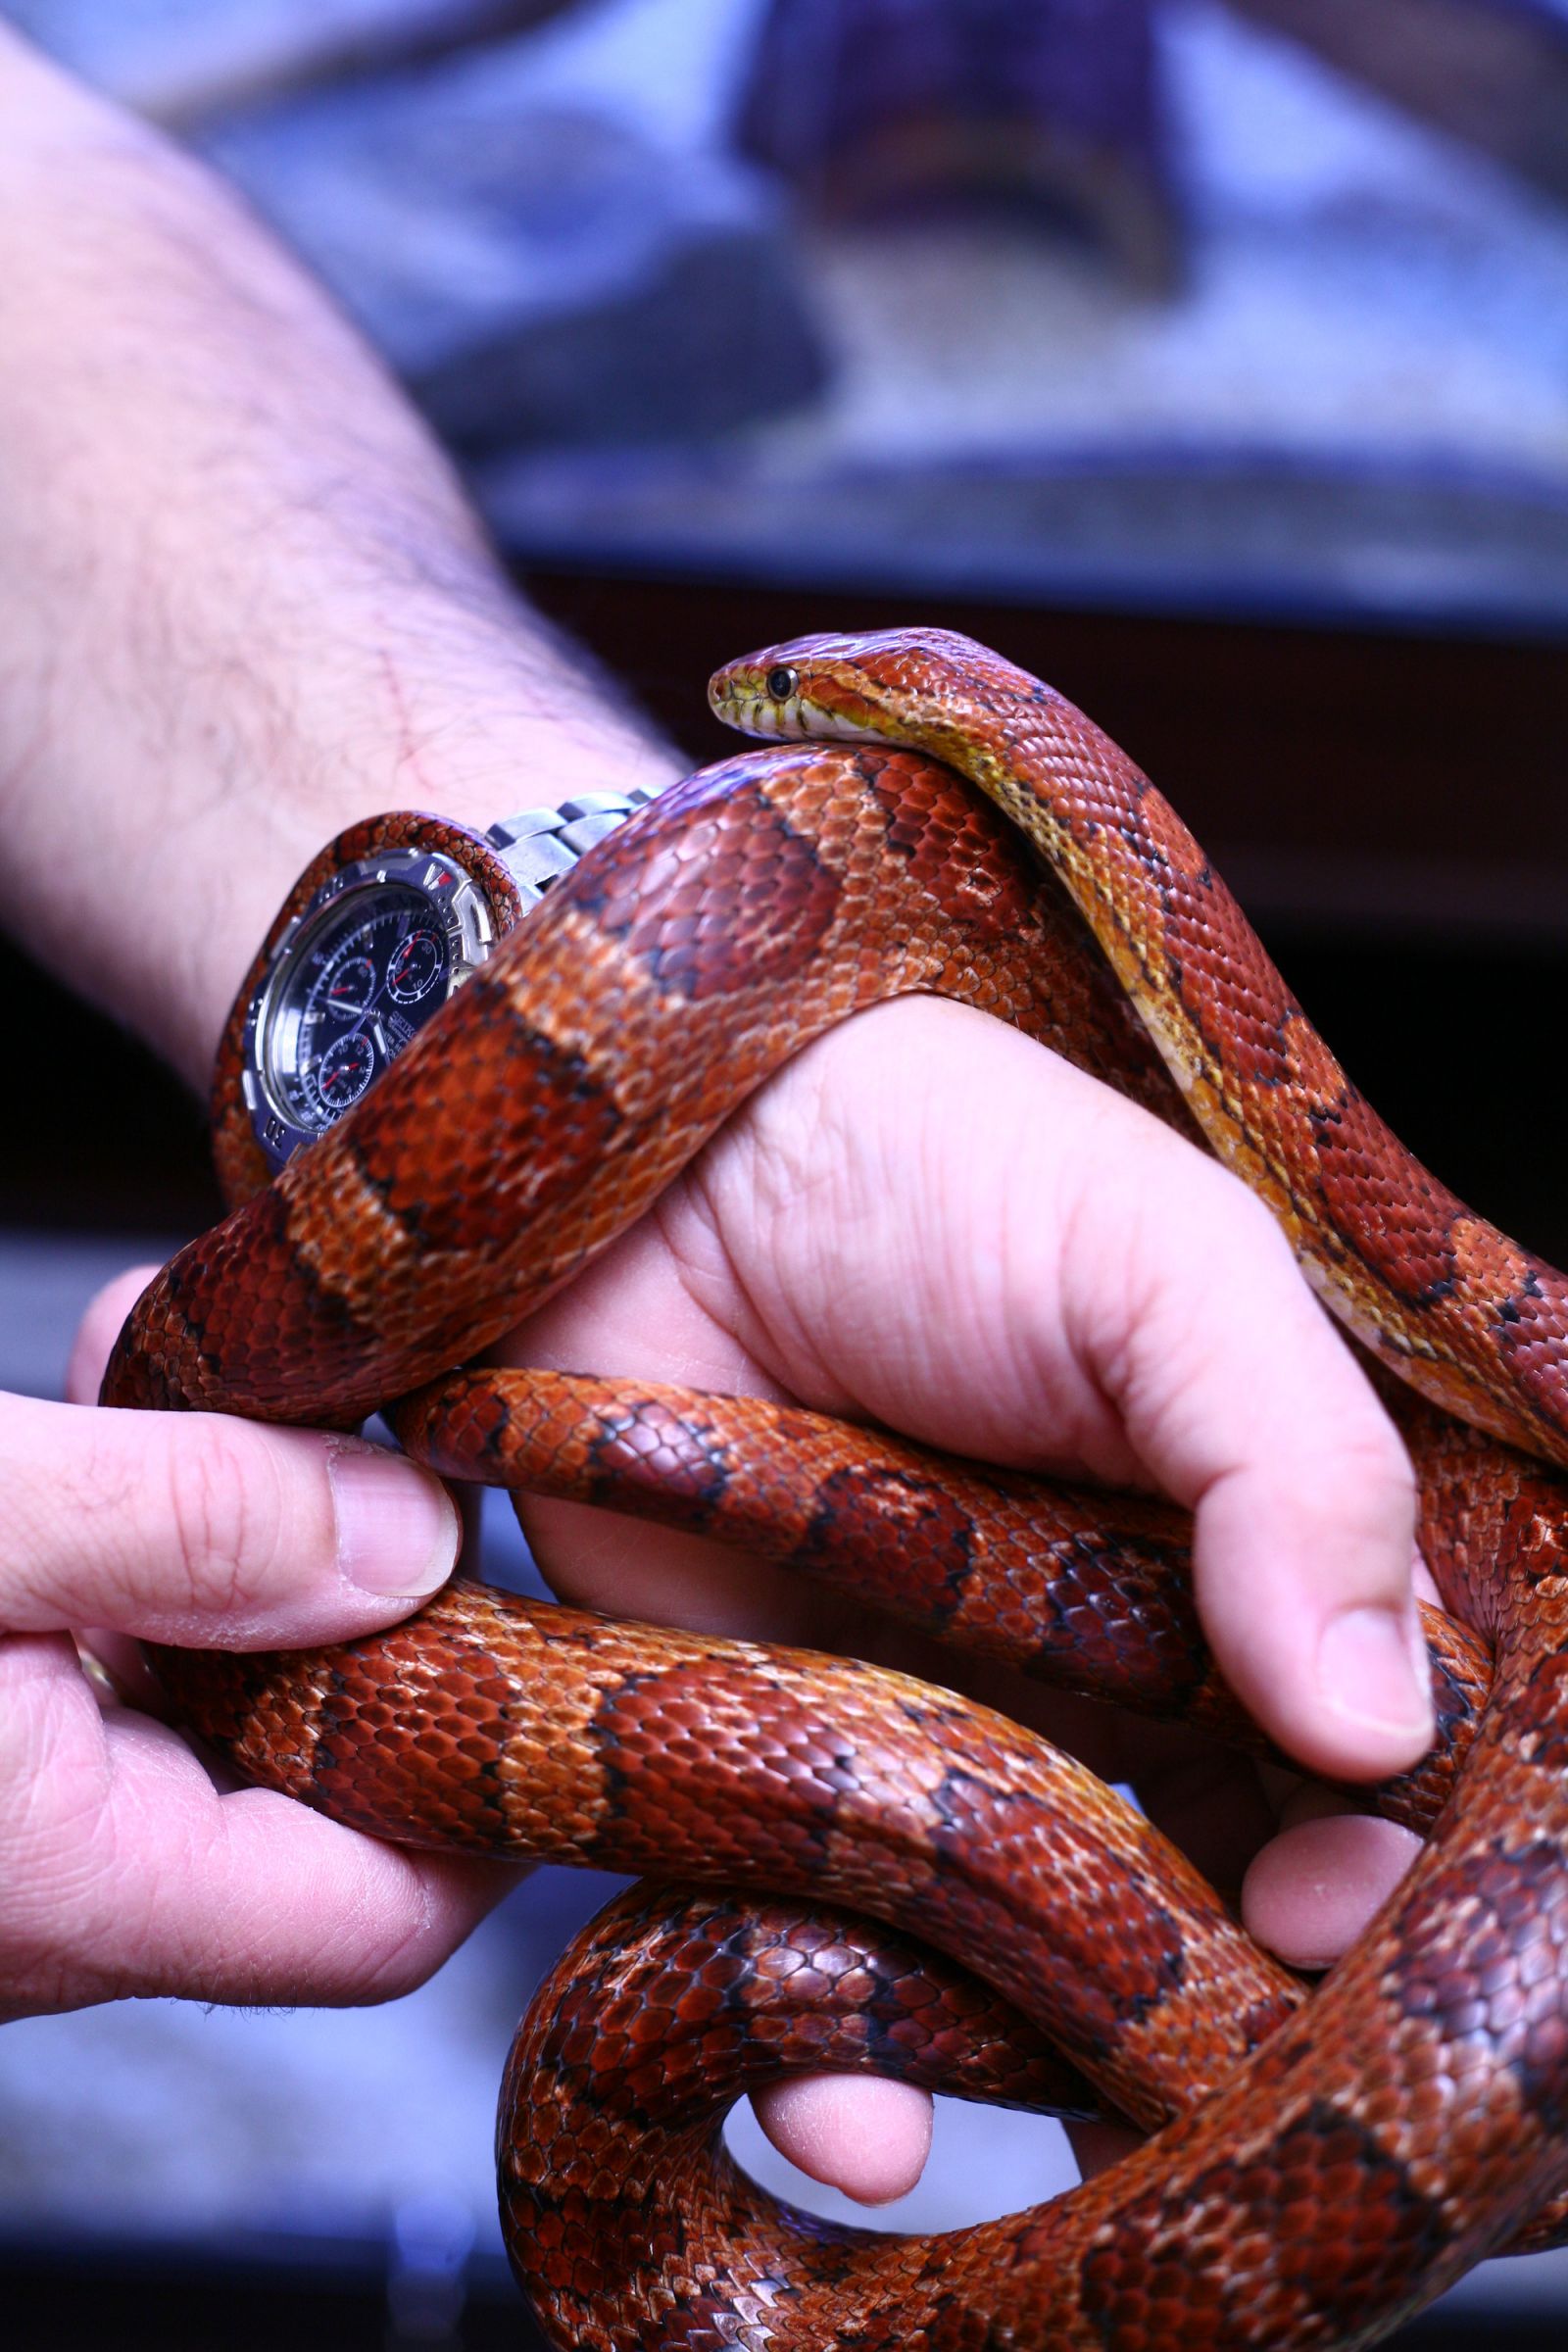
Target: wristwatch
{"type": "Point", "coordinates": [377, 933]}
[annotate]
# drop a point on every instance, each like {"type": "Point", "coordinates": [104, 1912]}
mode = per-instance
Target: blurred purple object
{"type": "Point", "coordinates": [865, 105]}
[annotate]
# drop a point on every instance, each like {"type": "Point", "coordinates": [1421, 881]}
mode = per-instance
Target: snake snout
{"type": "Point", "coordinates": [850, 688]}
{"type": "Point", "coordinates": [759, 697]}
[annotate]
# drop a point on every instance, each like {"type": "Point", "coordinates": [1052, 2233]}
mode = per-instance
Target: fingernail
{"type": "Point", "coordinates": [1366, 1670]}
{"type": "Point", "coordinates": [396, 1526]}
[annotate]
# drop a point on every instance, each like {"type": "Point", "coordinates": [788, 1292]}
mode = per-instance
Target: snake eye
{"type": "Point", "coordinates": [782, 683]}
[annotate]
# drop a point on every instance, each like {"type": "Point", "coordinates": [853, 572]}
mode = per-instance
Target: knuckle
{"type": "Point", "coordinates": [1376, 1470]}
{"type": "Point", "coordinates": [1238, 1219]}
{"type": "Point", "coordinates": [1350, 1498]}
{"type": "Point", "coordinates": [223, 1508]}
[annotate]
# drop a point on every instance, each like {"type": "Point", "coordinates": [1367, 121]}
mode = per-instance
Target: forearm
{"type": "Point", "coordinates": [242, 601]}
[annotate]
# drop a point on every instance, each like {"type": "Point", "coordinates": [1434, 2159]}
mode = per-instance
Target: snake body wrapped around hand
{"type": "Point", "coordinates": [1319, 2168]}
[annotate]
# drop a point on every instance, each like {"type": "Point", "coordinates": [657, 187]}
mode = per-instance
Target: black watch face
{"type": "Point", "coordinates": [359, 985]}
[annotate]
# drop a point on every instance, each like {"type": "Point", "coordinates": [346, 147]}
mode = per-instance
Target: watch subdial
{"type": "Point", "coordinates": [344, 1071]}
{"type": "Point", "coordinates": [351, 987]}
{"type": "Point", "coordinates": [416, 965]}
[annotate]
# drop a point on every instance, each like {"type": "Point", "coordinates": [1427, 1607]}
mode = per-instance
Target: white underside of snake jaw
{"type": "Point", "coordinates": [795, 718]}
{"type": "Point", "coordinates": [808, 720]}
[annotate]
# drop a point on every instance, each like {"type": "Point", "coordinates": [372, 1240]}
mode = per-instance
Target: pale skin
{"type": "Point", "coordinates": [242, 603]}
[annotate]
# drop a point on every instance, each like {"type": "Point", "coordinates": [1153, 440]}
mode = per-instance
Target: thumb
{"type": "Point", "coordinates": [1247, 1406]}
{"type": "Point", "coordinates": [195, 1528]}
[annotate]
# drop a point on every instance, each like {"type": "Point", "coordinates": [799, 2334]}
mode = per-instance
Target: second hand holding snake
{"type": "Point", "coordinates": [1320, 2169]}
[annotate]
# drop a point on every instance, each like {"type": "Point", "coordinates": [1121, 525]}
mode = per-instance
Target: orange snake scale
{"type": "Point", "coordinates": [1320, 2164]}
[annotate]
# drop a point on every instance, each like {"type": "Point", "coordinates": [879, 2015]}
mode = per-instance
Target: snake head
{"type": "Point", "coordinates": [887, 684]}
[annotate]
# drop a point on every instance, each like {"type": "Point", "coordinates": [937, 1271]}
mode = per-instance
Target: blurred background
{"type": "Point", "coordinates": [1208, 357]}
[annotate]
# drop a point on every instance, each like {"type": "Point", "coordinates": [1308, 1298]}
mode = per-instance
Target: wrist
{"type": "Point", "coordinates": [475, 763]}
{"type": "Point", "coordinates": [174, 875]}
{"type": "Point", "coordinates": [242, 601]}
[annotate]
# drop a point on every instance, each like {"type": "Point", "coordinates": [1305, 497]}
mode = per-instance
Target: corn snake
{"type": "Point", "coordinates": [1376, 2140]}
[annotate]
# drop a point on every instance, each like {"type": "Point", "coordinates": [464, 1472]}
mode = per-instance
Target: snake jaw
{"type": "Point", "coordinates": [842, 687]}
{"type": "Point", "coordinates": [742, 696]}
{"type": "Point", "coordinates": [751, 712]}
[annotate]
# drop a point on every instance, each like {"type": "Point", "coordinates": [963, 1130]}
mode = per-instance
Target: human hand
{"type": "Point", "coordinates": [928, 1220]}
{"type": "Point", "coordinates": [914, 1222]}
{"type": "Point", "coordinates": [124, 1869]}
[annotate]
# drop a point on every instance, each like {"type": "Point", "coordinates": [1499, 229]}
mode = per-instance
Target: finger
{"type": "Point", "coordinates": [1307, 1893]}
{"type": "Point", "coordinates": [1312, 1890]}
{"type": "Point", "coordinates": [1097, 2147]}
{"type": "Point", "coordinates": [1304, 1570]}
{"type": "Point", "coordinates": [196, 1528]}
{"type": "Point", "coordinates": [124, 1870]}
{"type": "Point", "coordinates": [861, 2133]}
{"type": "Point", "coordinates": [100, 1326]}
{"type": "Point", "coordinates": [1244, 1403]}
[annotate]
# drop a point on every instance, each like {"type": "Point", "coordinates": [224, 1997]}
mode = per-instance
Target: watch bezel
{"type": "Point", "coordinates": [459, 909]}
